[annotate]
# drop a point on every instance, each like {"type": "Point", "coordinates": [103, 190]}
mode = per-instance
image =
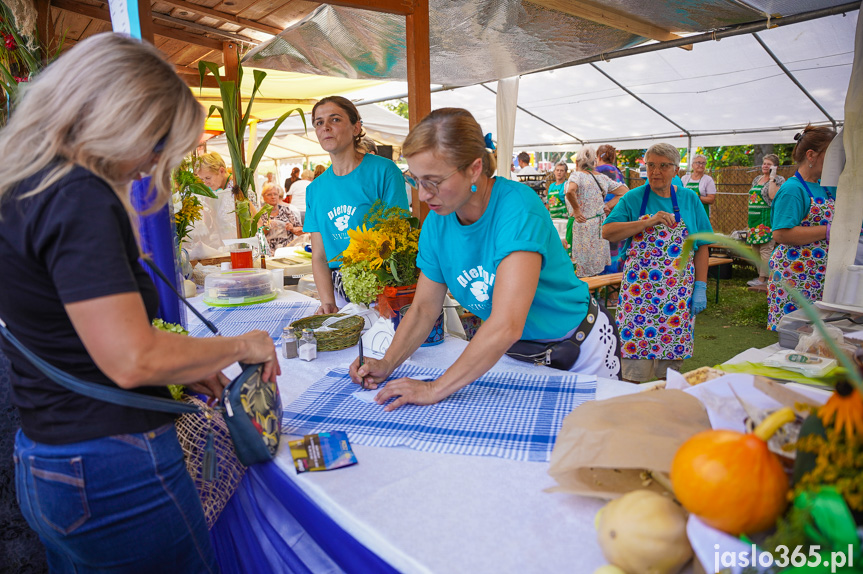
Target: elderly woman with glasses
{"type": "Point", "coordinates": [701, 183]}
{"type": "Point", "coordinates": [491, 243]}
{"type": "Point", "coordinates": [657, 305]}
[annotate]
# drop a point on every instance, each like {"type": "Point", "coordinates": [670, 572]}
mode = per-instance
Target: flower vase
{"type": "Point", "coordinates": [394, 298]}
{"type": "Point", "coordinates": [185, 264]}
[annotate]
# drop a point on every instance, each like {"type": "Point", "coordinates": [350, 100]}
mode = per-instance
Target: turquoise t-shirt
{"type": "Point", "coordinates": [465, 258]}
{"type": "Point", "coordinates": [691, 211]}
{"type": "Point", "coordinates": [791, 203]}
{"type": "Point", "coordinates": [335, 203]}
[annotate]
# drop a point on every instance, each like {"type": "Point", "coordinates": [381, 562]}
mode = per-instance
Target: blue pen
{"type": "Point", "coordinates": [361, 352]}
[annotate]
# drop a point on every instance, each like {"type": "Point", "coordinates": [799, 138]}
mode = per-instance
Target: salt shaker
{"type": "Point", "coordinates": [307, 346]}
{"type": "Point", "coordinates": [289, 343]}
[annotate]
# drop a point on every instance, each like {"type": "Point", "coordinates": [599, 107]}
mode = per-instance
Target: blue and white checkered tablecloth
{"type": "Point", "coordinates": [271, 317]}
{"type": "Point", "coordinates": [508, 415]}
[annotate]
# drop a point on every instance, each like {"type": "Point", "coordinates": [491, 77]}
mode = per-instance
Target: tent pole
{"type": "Point", "coordinates": [715, 35]}
{"type": "Point", "coordinates": [654, 110]}
{"type": "Point", "coordinates": [533, 115]}
{"type": "Point", "coordinates": [689, 153]}
{"type": "Point", "coordinates": [793, 79]}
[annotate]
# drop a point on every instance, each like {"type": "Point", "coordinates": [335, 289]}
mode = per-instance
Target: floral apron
{"type": "Point", "coordinates": [801, 266]}
{"type": "Point", "coordinates": [653, 309]}
{"type": "Point", "coordinates": [758, 220]}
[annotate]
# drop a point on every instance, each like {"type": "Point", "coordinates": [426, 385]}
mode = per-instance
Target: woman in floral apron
{"type": "Point", "coordinates": [761, 194]}
{"type": "Point", "coordinates": [657, 304]}
{"type": "Point", "coordinates": [802, 212]}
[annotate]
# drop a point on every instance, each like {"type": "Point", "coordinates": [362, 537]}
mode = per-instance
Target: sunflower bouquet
{"type": "Point", "coordinates": [381, 256]}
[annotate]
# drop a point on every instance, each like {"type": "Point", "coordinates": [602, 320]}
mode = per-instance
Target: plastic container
{"type": "Point", "coordinates": [805, 363]}
{"type": "Point", "coordinates": [306, 286]}
{"type": "Point", "coordinates": [238, 287]}
{"type": "Point", "coordinates": [791, 327]}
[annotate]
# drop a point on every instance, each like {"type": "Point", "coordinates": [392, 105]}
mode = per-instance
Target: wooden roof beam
{"type": "Point", "coordinates": [223, 16]}
{"type": "Point", "coordinates": [402, 7]}
{"type": "Point", "coordinates": [100, 13]}
{"type": "Point", "coordinates": [602, 15]}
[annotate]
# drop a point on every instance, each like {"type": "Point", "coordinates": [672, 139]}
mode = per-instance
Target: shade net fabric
{"type": "Point", "coordinates": [508, 415]}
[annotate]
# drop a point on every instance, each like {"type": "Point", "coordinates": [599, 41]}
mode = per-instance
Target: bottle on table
{"type": "Point", "coordinates": [289, 343]}
{"type": "Point", "coordinates": [307, 346]}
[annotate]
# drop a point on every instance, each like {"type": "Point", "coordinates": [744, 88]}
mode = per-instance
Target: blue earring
{"type": "Point", "coordinates": [473, 188]}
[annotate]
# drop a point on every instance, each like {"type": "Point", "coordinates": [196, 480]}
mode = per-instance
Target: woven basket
{"type": "Point", "coordinates": [345, 333]}
{"type": "Point", "coordinates": [192, 431]}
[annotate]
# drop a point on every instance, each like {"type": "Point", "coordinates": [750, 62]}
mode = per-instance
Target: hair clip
{"type": "Point", "coordinates": [489, 144]}
{"type": "Point", "coordinates": [797, 136]}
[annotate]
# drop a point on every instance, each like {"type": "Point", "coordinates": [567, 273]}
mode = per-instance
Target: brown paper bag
{"type": "Point", "coordinates": [604, 446]}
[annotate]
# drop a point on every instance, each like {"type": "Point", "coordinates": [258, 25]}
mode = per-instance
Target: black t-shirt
{"type": "Point", "coordinates": [71, 242]}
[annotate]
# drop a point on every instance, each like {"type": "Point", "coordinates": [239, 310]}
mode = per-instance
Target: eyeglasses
{"type": "Point", "coordinates": [428, 184]}
{"type": "Point", "coordinates": [661, 166]}
{"type": "Point", "coordinates": [699, 163]}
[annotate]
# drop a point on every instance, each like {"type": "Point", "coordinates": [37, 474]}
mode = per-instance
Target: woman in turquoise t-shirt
{"type": "Point", "coordinates": [339, 199]}
{"type": "Point", "coordinates": [557, 192]}
{"type": "Point", "coordinates": [657, 304]}
{"type": "Point", "coordinates": [802, 211]}
{"type": "Point", "coordinates": [491, 242]}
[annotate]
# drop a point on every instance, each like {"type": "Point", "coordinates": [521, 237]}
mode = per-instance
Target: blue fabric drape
{"type": "Point", "coordinates": [157, 239]}
{"type": "Point", "coordinates": [271, 525]}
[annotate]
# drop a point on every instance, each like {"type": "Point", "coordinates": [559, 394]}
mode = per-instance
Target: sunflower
{"type": "Point", "coordinates": [845, 405]}
{"type": "Point", "coordinates": [368, 245]}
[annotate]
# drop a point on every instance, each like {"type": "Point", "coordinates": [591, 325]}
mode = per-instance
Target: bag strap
{"type": "Point", "coordinates": [191, 307]}
{"type": "Point", "coordinates": [95, 390]}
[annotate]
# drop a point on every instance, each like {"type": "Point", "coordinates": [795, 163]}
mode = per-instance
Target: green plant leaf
{"type": "Point", "coordinates": [266, 210]}
{"type": "Point", "coordinates": [800, 300]}
{"type": "Point", "coordinates": [392, 265]}
{"type": "Point", "coordinates": [259, 76]}
{"type": "Point", "coordinates": [203, 68]}
{"type": "Point", "coordinates": [244, 215]}
{"type": "Point", "coordinates": [265, 141]}
{"type": "Point", "coordinates": [199, 188]}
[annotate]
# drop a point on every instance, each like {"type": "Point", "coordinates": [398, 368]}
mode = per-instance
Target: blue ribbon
{"type": "Point", "coordinates": [488, 142]}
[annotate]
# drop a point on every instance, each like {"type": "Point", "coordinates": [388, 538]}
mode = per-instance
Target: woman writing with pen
{"type": "Point", "coordinates": [491, 242]}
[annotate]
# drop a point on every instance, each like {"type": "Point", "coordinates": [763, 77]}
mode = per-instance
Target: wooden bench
{"type": "Point", "coordinates": [613, 280]}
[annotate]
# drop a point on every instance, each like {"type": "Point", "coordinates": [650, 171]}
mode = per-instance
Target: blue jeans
{"type": "Point", "coordinates": [117, 504]}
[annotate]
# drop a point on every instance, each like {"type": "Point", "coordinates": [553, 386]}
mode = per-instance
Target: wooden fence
{"type": "Point", "coordinates": [730, 210]}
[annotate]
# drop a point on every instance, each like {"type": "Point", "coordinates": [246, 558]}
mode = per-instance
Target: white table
{"type": "Point", "coordinates": [427, 512]}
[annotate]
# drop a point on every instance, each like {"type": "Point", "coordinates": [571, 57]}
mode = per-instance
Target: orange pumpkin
{"type": "Point", "coordinates": [730, 480]}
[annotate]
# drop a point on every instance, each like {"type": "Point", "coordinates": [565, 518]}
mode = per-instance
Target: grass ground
{"type": "Point", "coordinates": [737, 323]}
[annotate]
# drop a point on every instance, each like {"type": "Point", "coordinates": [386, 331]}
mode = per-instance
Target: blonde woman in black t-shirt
{"type": "Point", "coordinates": [104, 486]}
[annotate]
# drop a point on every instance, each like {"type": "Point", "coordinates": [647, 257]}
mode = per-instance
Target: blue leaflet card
{"type": "Point", "coordinates": [322, 451]}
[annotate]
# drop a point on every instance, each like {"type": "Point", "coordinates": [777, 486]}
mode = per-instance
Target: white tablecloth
{"type": "Point", "coordinates": [427, 512]}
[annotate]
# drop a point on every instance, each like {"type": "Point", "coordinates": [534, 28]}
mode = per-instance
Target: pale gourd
{"type": "Point", "coordinates": [189, 288]}
{"type": "Point", "coordinates": [643, 532]}
{"type": "Point", "coordinates": [608, 569]}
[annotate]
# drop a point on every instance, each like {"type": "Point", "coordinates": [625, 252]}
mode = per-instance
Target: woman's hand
{"type": "Point", "coordinates": [211, 386]}
{"type": "Point", "coordinates": [371, 374]}
{"type": "Point", "coordinates": [260, 349]}
{"type": "Point", "coordinates": [579, 217]}
{"type": "Point", "coordinates": [327, 308]}
{"type": "Point", "coordinates": [408, 391]}
{"type": "Point", "coordinates": [661, 217]}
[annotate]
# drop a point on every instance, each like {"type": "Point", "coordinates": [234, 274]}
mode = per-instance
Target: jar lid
{"type": "Point", "coordinates": [307, 330]}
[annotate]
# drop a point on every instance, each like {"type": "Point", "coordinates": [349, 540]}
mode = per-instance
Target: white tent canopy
{"type": "Point", "coordinates": [726, 92]}
{"type": "Point", "coordinates": [292, 145]}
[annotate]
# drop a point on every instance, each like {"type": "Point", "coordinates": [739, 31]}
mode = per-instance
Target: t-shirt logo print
{"type": "Point", "coordinates": [342, 222]}
{"type": "Point", "coordinates": [479, 290]}
{"type": "Point", "coordinates": [478, 280]}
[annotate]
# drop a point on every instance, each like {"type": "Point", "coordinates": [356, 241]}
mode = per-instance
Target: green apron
{"type": "Point", "coordinates": [694, 185]}
{"type": "Point", "coordinates": [556, 200]}
{"type": "Point", "coordinates": [758, 220]}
